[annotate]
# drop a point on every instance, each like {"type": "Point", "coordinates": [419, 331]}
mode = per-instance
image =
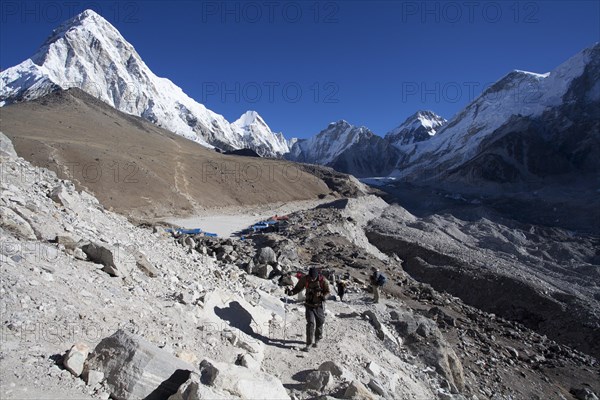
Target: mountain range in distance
{"type": "Point", "coordinates": [525, 128]}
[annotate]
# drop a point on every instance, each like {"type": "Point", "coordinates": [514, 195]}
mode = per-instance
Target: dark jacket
{"type": "Point", "coordinates": [316, 291]}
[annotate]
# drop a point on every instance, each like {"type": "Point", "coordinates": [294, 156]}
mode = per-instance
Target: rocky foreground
{"type": "Point", "coordinates": [95, 307]}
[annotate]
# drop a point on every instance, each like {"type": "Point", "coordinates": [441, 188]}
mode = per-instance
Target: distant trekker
{"type": "Point", "coordinates": [341, 288]}
{"type": "Point", "coordinates": [317, 290]}
{"type": "Point", "coordinates": [377, 280]}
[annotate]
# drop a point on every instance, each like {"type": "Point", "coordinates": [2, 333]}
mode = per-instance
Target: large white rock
{"type": "Point", "coordinates": [116, 260]}
{"type": "Point", "coordinates": [12, 222]}
{"type": "Point", "coordinates": [75, 358]}
{"type": "Point", "coordinates": [247, 383]}
{"type": "Point", "coordinates": [7, 151]}
{"type": "Point", "coordinates": [136, 369]}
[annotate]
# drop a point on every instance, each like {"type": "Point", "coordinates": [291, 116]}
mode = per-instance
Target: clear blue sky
{"type": "Point", "coordinates": [303, 64]}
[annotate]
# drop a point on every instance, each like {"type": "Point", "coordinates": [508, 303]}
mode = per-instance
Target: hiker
{"type": "Point", "coordinates": [341, 289]}
{"type": "Point", "coordinates": [377, 280]}
{"type": "Point", "coordinates": [317, 290]}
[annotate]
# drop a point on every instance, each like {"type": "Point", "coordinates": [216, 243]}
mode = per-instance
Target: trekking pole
{"type": "Point", "coordinates": [284, 315]}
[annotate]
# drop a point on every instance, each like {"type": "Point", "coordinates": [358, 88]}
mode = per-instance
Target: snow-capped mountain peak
{"type": "Point", "coordinates": [517, 95]}
{"type": "Point", "coordinates": [89, 53]}
{"type": "Point", "coordinates": [329, 143]}
{"type": "Point", "coordinates": [256, 134]}
{"type": "Point", "coordinates": [418, 127]}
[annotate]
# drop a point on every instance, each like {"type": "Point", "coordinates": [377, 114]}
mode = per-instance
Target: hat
{"type": "Point", "coordinates": [312, 272]}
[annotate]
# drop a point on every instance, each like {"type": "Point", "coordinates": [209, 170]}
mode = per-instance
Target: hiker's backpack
{"type": "Point", "coordinates": [321, 278]}
{"type": "Point", "coordinates": [381, 279]}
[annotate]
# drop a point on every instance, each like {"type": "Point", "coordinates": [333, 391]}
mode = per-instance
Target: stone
{"type": "Point", "coordinates": [60, 194]}
{"type": "Point", "coordinates": [333, 368]}
{"type": "Point", "coordinates": [377, 387]}
{"type": "Point", "coordinates": [75, 358]}
{"type": "Point", "coordinates": [248, 361]}
{"type": "Point", "coordinates": [144, 265]}
{"type": "Point", "coordinates": [190, 243]}
{"type": "Point", "coordinates": [373, 368]}
{"type": "Point", "coordinates": [318, 380]}
{"type": "Point", "coordinates": [80, 255]}
{"type": "Point", "coordinates": [14, 223]}
{"type": "Point", "coordinates": [7, 150]}
{"type": "Point", "coordinates": [135, 368]}
{"type": "Point", "coordinates": [67, 241]}
{"type": "Point", "coordinates": [187, 356]}
{"type": "Point", "coordinates": [93, 377]}
{"type": "Point", "coordinates": [357, 391]}
{"type": "Point", "coordinates": [208, 373]}
{"type": "Point", "coordinates": [263, 271]}
{"type": "Point", "coordinates": [443, 358]}
{"type": "Point", "coordinates": [250, 267]}
{"type": "Point", "coordinates": [116, 260]}
{"type": "Point", "coordinates": [266, 255]}
{"type": "Point", "coordinates": [513, 352]}
{"type": "Point", "coordinates": [193, 389]}
{"type": "Point", "coordinates": [246, 383]}
{"type": "Point", "coordinates": [583, 394]}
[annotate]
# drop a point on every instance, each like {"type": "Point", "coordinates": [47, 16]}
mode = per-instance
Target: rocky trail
{"type": "Point", "coordinates": [94, 307]}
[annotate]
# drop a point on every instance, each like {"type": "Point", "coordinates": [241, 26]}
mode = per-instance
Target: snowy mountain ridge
{"type": "Point", "coordinates": [517, 94]}
{"type": "Point", "coordinates": [89, 53]}
{"type": "Point", "coordinates": [420, 126]}
{"type": "Point", "coordinates": [328, 144]}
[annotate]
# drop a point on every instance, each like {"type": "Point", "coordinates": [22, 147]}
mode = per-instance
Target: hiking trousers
{"type": "Point", "coordinates": [375, 293]}
{"type": "Point", "coordinates": [315, 319]}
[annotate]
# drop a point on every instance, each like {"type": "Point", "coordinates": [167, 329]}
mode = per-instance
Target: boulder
{"type": "Point", "coordinates": [208, 373]}
{"type": "Point", "coordinates": [266, 255]}
{"type": "Point", "coordinates": [583, 394]}
{"type": "Point", "coordinates": [193, 389]}
{"type": "Point", "coordinates": [7, 150]}
{"type": "Point", "coordinates": [318, 380]}
{"type": "Point", "coordinates": [67, 241]}
{"type": "Point", "coordinates": [248, 361]}
{"type": "Point", "coordinates": [377, 387]}
{"type": "Point", "coordinates": [373, 368]}
{"type": "Point", "coordinates": [75, 358]}
{"type": "Point", "coordinates": [425, 339]}
{"type": "Point", "coordinates": [144, 265]}
{"type": "Point", "coordinates": [246, 383]}
{"type": "Point", "coordinates": [14, 223]}
{"type": "Point", "coordinates": [190, 243]}
{"type": "Point", "coordinates": [263, 271]}
{"type": "Point", "coordinates": [136, 369]}
{"type": "Point", "coordinates": [61, 195]}
{"type": "Point", "coordinates": [358, 391]}
{"type": "Point", "coordinates": [92, 377]}
{"type": "Point", "coordinates": [116, 260]}
{"type": "Point", "coordinates": [332, 367]}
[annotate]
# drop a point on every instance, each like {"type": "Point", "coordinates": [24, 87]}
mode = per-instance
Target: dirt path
{"type": "Point", "coordinates": [344, 324]}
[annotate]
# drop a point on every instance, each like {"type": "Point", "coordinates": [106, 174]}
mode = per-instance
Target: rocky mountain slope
{"type": "Point", "coordinates": [545, 278]}
{"type": "Point", "coordinates": [139, 169]}
{"type": "Point", "coordinates": [130, 312]}
{"type": "Point", "coordinates": [88, 53]}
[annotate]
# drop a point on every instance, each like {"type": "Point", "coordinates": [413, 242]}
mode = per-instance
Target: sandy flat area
{"type": "Point", "coordinates": [228, 220]}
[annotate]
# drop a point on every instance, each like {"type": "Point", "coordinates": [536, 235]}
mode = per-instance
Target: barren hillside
{"type": "Point", "coordinates": [141, 170]}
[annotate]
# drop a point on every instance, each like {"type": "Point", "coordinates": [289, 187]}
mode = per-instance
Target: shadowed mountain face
{"type": "Point", "coordinates": [137, 168]}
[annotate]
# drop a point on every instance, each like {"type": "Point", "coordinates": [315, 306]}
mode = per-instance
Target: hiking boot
{"type": "Point", "coordinates": [314, 344]}
{"type": "Point", "coordinates": [306, 349]}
